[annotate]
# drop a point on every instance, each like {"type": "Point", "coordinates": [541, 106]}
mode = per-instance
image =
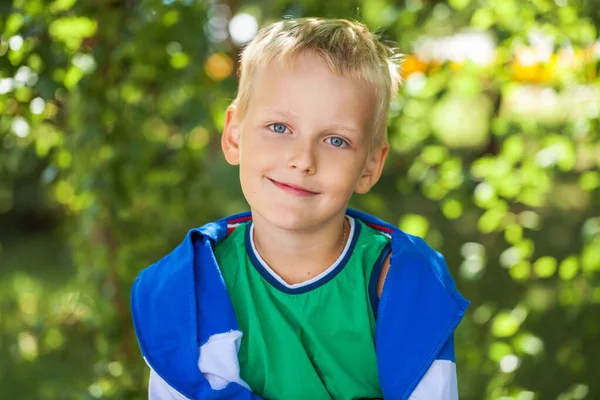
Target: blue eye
{"type": "Point", "coordinates": [278, 128]}
{"type": "Point", "coordinates": [337, 141]}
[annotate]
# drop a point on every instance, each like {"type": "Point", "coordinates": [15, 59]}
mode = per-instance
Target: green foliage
{"type": "Point", "coordinates": [109, 132]}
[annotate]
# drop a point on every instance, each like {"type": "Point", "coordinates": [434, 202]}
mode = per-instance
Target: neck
{"type": "Point", "coordinates": [300, 255]}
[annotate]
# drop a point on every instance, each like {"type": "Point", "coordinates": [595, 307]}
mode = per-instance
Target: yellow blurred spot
{"type": "Point", "coordinates": [433, 154]}
{"type": "Point", "coordinates": [520, 271]}
{"type": "Point", "coordinates": [505, 324]}
{"type": "Point", "coordinates": [64, 192]}
{"type": "Point", "coordinates": [51, 110]}
{"type": "Point", "coordinates": [82, 201]}
{"type": "Point", "coordinates": [54, 339]}
{"type": "Point", "coordinates": [590, 257]}
{"type": "Point", "coordinates": [175, 141]}
{"type": "Point", "coordinates": [198, 138]}
{"type": "Point", "coordinates": [483, 18]}
{"type": "Point", "coordinates": [490, 220]}
{"type": "Point", "coordinates": [411, 64]}
{"type": "Point", "coordinates": [106, 153]}
{"type": "Point", "coordinates": [72, 77]}
{"type": "Point", "coordinates": [589, 180]}
{"type": "Point", "coordinates": [415, 225]}
{"type": "Point", "coordinates": [462, 121]}
{"type": "Point", "coordinates": [529, 219]}
{"type": "Point", "coordinates": [218, 66]}
{"type": "Point", "coordinates": [455, 66]}
{"type": "Point", "coordinates": [459, 4]}
{"type": "Point", "coordinates": [540, 298]}
{"type": "Point", "coordinates": [64, 159]}
{"type": "Point", "coordinates": [170, 18]}
{"type": "Point", "coordinates": [28, 346]}
{"type": "Point", "coordinates": [529, 344]}
{"type": "Point", "coordinates": [513, 233]}
{"type": "Point", "coordinates": [180, 60]}
{"type": "Point", "coordinates": [35, 62]}
{"type": "Point", "coordinates": [452, 209]}
{"type": "Point", "coordinates": [61, 5]}
{"type": "Point", "coordinates": [156, 130]}
{"type": "Point", "coordinates": [131, 93]}
{"type": "Point", "coordinates": [27, 303]}
{"type": "Point", "coordinates": [526, 68]}
{"type": "Point", "coordinates": [589, 56]}
{"type": "Point", "coordinates": [482, 314]}
{"type": "Point", "coordinates": [568, 268]}
{"type": "Point", "coordinates": [532, 197]}
{"type": "Point", "coordinates": [498, 350]}
{"type": "Point", "coordinates": [115, 368]}
{"type": "Point", "coordinates": [526, 395]}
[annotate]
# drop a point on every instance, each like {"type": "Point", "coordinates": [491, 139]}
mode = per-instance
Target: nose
{"type": "Point", "coordinates": [302, 157]}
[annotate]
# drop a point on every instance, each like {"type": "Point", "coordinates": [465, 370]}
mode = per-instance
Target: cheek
{"type": "Point", "coordinates": [342, 175]}
{"type": "Point", "coordinates": [256, 145]}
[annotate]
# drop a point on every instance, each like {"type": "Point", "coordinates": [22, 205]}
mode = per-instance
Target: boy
{"type": "Point", "coordinates": [302, 298]}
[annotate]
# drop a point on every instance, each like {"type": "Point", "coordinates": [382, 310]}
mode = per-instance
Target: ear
{"type": "Point", "coordinates": [230, 139]}
{"type": "Point", "coordinates": [373, 168]}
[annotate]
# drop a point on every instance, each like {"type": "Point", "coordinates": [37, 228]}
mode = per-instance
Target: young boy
{"type": "Point", "coordinates": [302, 298]}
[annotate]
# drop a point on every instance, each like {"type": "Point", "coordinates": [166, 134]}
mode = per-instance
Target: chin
{"type": "Point", "coordinates": [291, 218]}
{"type": "Point", "coordinates": [287, 218]}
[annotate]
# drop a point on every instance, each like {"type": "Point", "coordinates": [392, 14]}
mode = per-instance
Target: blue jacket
{"type": "Point", "coordinates": [419, 310]}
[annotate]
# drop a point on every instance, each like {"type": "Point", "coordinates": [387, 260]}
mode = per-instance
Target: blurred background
{"type": "Point", "coordinates": [111, 112]}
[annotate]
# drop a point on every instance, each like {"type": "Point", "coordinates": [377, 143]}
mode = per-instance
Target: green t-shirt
{"type": "Point", "coordinates": [313, 340]}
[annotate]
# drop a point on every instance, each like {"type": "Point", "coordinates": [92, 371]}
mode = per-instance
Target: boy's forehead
{"type": "Point", "coordinates": [295, 69]}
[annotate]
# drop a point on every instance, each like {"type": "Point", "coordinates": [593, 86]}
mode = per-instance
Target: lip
{"type": "Point", "coordinates": [293, 189]}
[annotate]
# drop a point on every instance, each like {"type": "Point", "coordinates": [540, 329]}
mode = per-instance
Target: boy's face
{"type": "Point", "coordinates": [303, 145]}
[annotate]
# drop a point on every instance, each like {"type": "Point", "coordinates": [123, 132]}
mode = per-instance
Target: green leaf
{"type": "Point", "coordinates": [590, 257]}
{"type": "Point", "coordinates": [14, 22]}
{"type": "Point", "coordinates": [59, 6]}
{"type": "Point", "coordinates": [459, 4]}
{"type": "Point", "coordinates": [505, 324]}
{"type": "Point", "coordinates": [545, 267]}
{"type": "Point", "coordinates": [521, 271]}
{"type": "Point", "coordinates": [498, 350]}
{"type": "Point", "coordinates": [568, 268]}
{"type": "Point", "coordinates": [415, 225]}
{"type": "Point", "coordinates": [72, 30]}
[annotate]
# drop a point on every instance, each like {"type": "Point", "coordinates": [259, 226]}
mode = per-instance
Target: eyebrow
{"type": "Point", "coordinates": [277, 112]}
{"type": "Point", "coordinates": [349, 129]}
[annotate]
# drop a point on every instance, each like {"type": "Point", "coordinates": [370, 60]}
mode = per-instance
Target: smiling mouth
{"type": "Point", "coordinates": [293, 189]}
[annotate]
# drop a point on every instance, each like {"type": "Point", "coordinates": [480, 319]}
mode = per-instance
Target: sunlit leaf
{"type": "Point", "coordinates": [61, 5]}
{"type": "Point", "coordinates": [13, 23]}
{"type": "Point", "coordinates": [72, 30]}
{"type": "Point", "coordinates": [590, 257]}
{"type": "Point", "coordinates": [498, 350]}
{"type": "Point", "coordinates": [504, 324]}
{"type": "Point", "coordinates": [544, 267]}
{"type": "Point", "coordinates": [461, 121]}
{"type": "Point", "coordinates": [568, 268]}
{"type": "Point", "coordinates": [414, 224]}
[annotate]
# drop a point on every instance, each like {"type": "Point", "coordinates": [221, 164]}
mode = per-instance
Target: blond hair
{"type": "Point", "coordinates": [348, 48]}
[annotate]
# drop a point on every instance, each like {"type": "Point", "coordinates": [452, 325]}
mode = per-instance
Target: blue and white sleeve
{"type": "Point", "coordinates": [439, 382]}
